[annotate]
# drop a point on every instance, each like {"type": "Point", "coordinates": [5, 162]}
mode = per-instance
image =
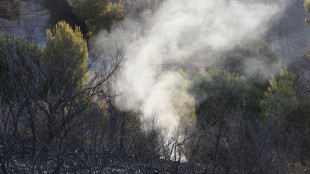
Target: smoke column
{"type": "Point", "coordinates": [180, 31]}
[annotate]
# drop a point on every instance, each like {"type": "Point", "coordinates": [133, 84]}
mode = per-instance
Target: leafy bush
{"type": "Point", "coordinates": [280, 98]}
{"type": "Point", "coordinates": [218, 90]}
{"type": "Point", "coordinates": [17, 56]}
{"type": "Point", "coordinates": [66, 55]}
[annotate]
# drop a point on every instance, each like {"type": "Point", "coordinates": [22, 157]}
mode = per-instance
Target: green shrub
{"type": "Point", "coordinates": [65, 56]}
{"type": "Point", "coordinates": [18, 61]}
{"type": "Point", "coordinates": [219, 92]}
{"type": "Point", "coordinates": [280, 98]}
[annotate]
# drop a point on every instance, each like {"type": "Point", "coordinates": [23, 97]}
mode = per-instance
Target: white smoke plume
{"type": "Point", "coordinates": [180, 31]}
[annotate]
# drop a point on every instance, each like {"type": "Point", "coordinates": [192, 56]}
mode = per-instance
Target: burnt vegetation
{"type": "Point", "coordinates": [59, 113]}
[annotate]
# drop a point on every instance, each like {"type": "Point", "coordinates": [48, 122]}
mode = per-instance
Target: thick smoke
{"type": "Point", "coordinates": [181, 31]}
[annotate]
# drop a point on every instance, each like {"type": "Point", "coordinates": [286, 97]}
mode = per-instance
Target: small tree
{"type": "Point", "coordinates": [280, 98]}
{"type": "Point", "coordinates": [66, 55]}
{"type": "Point", "coordinates": [42, 102]}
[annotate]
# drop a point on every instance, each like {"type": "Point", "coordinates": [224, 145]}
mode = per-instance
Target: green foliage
{"type": "Point", "coordinates": [66, 55]}
{"type": "Point", "coordinates": [307, 8]}
{"type": "Point", "coordinates": [18, 57]}
{"type": "Point", "coordinates": [219, 91]}
{"type": "Point", "coordinates": [280, 98]}
{"type": "Point", "coordinates": [19, 48]}
{"type": "Point", "coordinates": [98, 14]}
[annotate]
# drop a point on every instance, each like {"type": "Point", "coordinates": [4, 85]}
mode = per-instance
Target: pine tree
{"type": "Point", "coordinates": [280, 98]}
{"type": "Point", "coordinates": [66, 55]}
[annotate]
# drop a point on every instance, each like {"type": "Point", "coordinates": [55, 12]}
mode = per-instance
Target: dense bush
{"type": "Point", "coordinates": [218, 89]}
{"type": "Point", "coordinates": [45, 95]}
{"type": "Point", "coordinates": [17, 57]}
{"type": "Point", "coordinates": [66, 55]}
{"type": "Point", "coordinates": [280, 98]}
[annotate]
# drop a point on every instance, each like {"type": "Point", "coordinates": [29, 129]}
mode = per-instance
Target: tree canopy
{"type": "Point", "coordinates": [66, 54]}
{"type": "Point", "coordinates": [280, 98]}
{"type": "Point", "coordinates": [217, 89]}
{"type": "Point", "coordinates": [24, 56]}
